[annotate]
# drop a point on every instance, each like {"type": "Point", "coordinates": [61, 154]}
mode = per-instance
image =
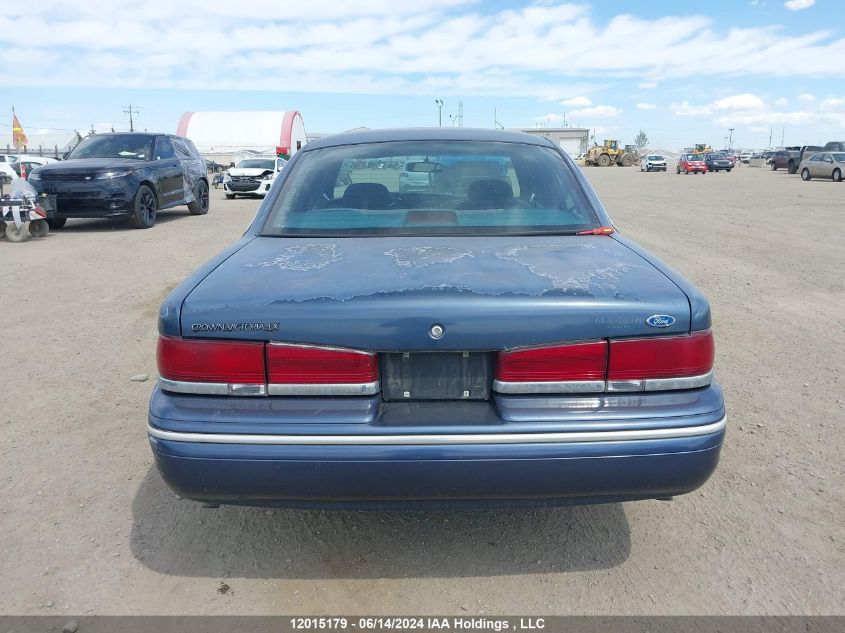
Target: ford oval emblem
{"type": "Point", "coordinates": [660, 320]}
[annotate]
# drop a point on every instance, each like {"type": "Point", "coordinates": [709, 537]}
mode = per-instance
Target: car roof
{"type": "Point", "coordinates": [427, 134]}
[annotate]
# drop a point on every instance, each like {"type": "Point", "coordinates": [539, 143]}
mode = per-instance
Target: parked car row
{"type": "Point", "coordinates": [812, 161]}
{"type": "Point", "coordinates": [702, 163]}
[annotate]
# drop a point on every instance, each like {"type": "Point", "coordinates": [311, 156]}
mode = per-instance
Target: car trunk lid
{"type": "Point", "coordinates": [386, 294]}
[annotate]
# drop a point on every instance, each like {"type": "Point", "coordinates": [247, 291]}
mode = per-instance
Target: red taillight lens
{"type": "Point", "coordinates": [661, 357]}
{"type": "Point", "coordinates": [579, 361]}
{"type": "Point", "coordinates": [187, 360]}
{"type": "Point", "coordinates": [291, 364]}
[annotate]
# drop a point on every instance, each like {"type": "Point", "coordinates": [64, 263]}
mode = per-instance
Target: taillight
{"type": "Point", "coordinates": [664, 362]}
{"type": "Point", "coordinates": [308, 370]}
{"type": "Point", "coordinates": [578, 367]}
{"type": "Point", "coordinates": [245, 368]}
{"type": "Point", "coordinates": [656, 363]}
{"type": "Point", "coordinates": [218, 367]}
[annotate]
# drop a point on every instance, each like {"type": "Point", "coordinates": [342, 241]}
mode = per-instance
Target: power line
{"type": "Point", "coordinates": [130, 111]}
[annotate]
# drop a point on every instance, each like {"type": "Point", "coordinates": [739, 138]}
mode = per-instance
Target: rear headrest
{"type": "Point", "coordinates": [489, 193]}
{"type": "Point", "coordinates": [367, 195]}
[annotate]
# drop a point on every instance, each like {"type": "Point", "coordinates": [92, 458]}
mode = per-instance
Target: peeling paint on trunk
{"type": "Point", "coordinates": [358, 267]}
{"type": "Point", "coordinates": [489, 293]}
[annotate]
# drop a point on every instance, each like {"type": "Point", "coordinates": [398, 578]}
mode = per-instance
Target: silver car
{"type": "Point", "coordinates": [823, 165]}
{"type": "Point", "coordinates": [653, 162]}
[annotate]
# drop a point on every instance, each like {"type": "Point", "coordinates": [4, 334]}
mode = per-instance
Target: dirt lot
{"type": "Point", "coordinates": [90, 529]}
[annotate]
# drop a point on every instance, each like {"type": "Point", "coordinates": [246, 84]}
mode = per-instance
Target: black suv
{"type": "Point", "coordinates": [125, 176]}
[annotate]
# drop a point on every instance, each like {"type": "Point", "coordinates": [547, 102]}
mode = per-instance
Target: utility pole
{"type": "Point", "coordinates": [130, 111]}
{"type": "Point", "coordinates": [771, 129]}
{"type": "Point", "coordinates": [460, 113]}
{"type": "Point", "coordinates": [782, 135]}
{"type": "Point", "coordinates": [93, 131]}
{"type": "Point", "coordinates": [731, 138]}
{"type": "Point", "coordinates": [439, 103]}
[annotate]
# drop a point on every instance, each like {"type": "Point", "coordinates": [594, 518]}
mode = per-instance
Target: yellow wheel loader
{"type": "Point", "coordinates": [609, 154]}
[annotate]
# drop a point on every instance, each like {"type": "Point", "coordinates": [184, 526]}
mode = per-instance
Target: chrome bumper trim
{"type": "Point", "coordinates": [599, 386]}
{"type": "Point", "coordinates": [661, 384]}
{"type": "Point", "coordinates": [211, 388]}
{"type": "Point", "coordinates": [354, 389]}
{"type": "Point", "coordinates": [567, 386]}
{"type": "Point", "coordinates": [446, 438]}
{"type": "Point", "coordinates": [224, 389]}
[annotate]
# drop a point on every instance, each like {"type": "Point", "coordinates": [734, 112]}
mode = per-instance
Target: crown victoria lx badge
{"type": "Point", "coordinates": [660, 320]}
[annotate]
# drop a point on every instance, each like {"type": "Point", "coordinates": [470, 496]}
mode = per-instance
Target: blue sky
{"type": "Point", "coordinates": [683, 72]}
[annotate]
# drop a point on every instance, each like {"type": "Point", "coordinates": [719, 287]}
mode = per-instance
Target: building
{"type": "Point", "coordinates": [225, 136]}
{"type": "Point", "coordinates": [572, 140]}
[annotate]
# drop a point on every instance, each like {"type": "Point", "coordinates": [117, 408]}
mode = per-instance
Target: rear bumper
{"type": "Point", "coordinates": [469, 467]}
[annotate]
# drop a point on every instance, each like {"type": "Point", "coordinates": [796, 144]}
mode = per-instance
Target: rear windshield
{"type": "Point", "coordinates": [718, 157]}
{"type": "Point", "coordinates": [430, 188]}
{"type": "Point", "coordinates": [138, 146]}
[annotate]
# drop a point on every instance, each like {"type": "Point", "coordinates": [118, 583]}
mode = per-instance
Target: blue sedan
{"type": "Point", "coordinates": [488, 340]}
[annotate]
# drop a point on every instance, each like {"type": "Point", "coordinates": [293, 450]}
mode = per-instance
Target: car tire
{"type": "Point", "coordinates": [199, 205]}
{"type": "Point", "coordinates": [39, 228]}
{"type": "Point", "coordinates": [773, 166]}
{"type": "Point", "coordinates": [56, 223]}
{"type": "Point", "coordinates": [15, 234]}
{"type": "Point", "coordinates": [805, 174]}
{"type": "Point", "coordinates": [836, 176]}
{"type": "Point", "coordinates": [230, 196]}
{"type": "Point", "coordinates": [144, 207]}
{"type": "Point", "coordinates": [729, 171]}
{"type": "Point", "coordinates": [678, 170]}
{"type": "Point", "coordinates": [792, 168]}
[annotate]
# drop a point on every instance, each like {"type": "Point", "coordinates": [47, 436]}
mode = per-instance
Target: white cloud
{"type": "Point", "coordinates": [767, 117]}
{"type": "Point", "coordinates": [685, 108]}
{"type": "Point", "coordinates": [798, 5]}
{"type": "Point", "coordinates": [440, 47]}
{"type": "Point", "coordinates": [748, 110]}
{"type": "Point", "coordinates": [832, 104]}
{"type": "Point", "coordinates": [745, 101]}
{"type": "Point", "coordinates": [599, 112]}
{"type": "Point", "coordinates": [580, 102]}
{"type": "Point", "coordinates": [646, 106]}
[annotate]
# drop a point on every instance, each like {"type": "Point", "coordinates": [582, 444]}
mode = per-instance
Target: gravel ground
{"type": "Point", "coordinates": [89, 528]}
